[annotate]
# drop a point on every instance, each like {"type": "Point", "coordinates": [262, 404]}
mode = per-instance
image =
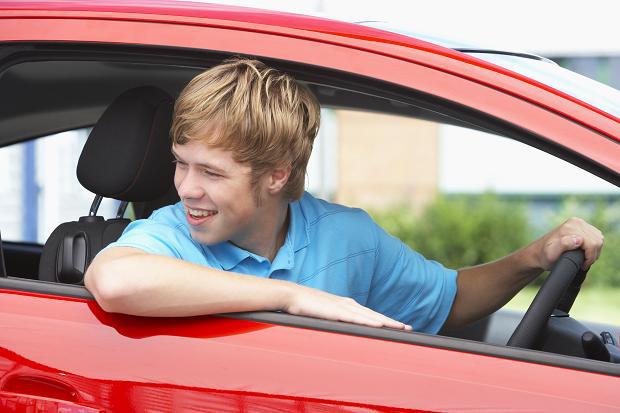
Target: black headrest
{"type": "Point", "coordinates": [127, 155]}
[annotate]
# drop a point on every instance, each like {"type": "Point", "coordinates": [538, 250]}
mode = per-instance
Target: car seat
{"type": "Point", "coordinates": [126, 157]}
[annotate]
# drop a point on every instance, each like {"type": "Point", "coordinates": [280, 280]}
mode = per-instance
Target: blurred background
{"type": "Point", "coordinates": [459, 196]}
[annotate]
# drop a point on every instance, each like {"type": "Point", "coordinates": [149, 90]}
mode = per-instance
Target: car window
{"type": "Point", "coordinates": [463, 196]}
{"type": "Point", "coordinates": [458, 195]}
{"type": "Point", "coordinates": [43, 190]}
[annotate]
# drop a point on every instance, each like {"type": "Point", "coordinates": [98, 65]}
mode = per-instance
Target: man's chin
{"type": "Point", "coordinates": [203, 238]}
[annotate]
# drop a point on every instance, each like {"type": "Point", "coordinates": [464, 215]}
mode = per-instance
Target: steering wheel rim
{"type": "Point", "coordinates": [547, 299]}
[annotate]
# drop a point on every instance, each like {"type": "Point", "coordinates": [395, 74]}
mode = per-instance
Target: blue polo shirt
{"type": "Point", "coordinates": [330, 247]}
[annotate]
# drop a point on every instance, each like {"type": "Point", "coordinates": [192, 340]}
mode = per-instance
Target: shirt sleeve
{"type": "Point", "coordinates": [410, 288]}
{"type": "Point", "coordinates": [152, 237]}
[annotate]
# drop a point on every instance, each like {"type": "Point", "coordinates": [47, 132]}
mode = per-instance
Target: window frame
{"type": "Point", "coordinates": [385, 90]}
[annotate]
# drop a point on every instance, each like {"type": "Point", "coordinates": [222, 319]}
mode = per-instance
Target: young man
{"type": "Point", "coordinates": [246, 237]}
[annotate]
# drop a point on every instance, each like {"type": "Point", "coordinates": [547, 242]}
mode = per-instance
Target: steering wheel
{"type": "Point", "coordinates": [552, 292]}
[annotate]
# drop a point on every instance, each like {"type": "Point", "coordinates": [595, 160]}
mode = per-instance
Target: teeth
{"type": "Point", "coordinates": [200, 213]}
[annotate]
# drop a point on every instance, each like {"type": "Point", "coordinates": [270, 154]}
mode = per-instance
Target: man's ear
{"type": "Point", "coordinates": [278, 178]}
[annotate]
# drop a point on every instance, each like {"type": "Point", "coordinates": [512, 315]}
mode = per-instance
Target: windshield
{"type": "Point", "coordinates": [585, 89]}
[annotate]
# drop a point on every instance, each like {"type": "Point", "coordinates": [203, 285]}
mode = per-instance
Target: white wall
{"type": "Point", "coordinates": [322, 174]}
{"type": "Point", "coordinates": [473, 161]}
{"type": "Point", "coordinates": [11, 192]}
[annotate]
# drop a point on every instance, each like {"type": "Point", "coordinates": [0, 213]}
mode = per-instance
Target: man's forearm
{"type": "Point", "coordinates": [137, 283]}
{"type": "Point", "coordinates": [483, 289]}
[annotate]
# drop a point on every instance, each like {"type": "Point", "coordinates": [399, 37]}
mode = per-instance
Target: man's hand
{"type": "Point", "coordinates": [485, 288]}
{"type": "Point", "coordinates": [316, 303]}
{"type": "Point", "coordinates": [572, 234]}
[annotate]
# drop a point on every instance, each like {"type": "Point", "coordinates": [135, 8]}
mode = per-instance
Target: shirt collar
{"type": "Point", "coordinates": [229, 255]}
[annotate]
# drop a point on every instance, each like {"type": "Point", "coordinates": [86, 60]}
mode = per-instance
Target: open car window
{"type": "Point", "coordinates": [420, 165]}
{"type": "Point", "coordinates": [462, 196]}
{"type": "Point", "coordinates": [44, 191]}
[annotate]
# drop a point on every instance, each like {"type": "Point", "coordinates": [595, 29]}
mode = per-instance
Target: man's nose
{"type": "Point", "coordinates": [189, 187]}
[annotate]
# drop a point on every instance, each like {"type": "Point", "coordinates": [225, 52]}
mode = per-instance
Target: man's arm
{"type": "Point", "coordinates": [131, 281]}
{"type": "Point", "coordinates": [485, 288]}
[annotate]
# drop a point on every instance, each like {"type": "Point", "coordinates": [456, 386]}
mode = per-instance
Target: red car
{"type": "Point", "coordinates": [62, 63]}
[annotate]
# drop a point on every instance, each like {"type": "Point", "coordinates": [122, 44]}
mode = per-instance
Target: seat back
{"type": "Point", "coordinates": [126, 157]}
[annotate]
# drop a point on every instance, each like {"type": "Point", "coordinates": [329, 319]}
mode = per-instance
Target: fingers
{"type": "Point", "coordinates": [320, 304]}
{"type": "Point", "coordinates": [581, 234]}
{"type": "Point", "coordinates": [572, 234]}
{"type": "Point", "coordinates": [592, 244]}
{"type": "Point", "coordinates": [353, 312]}
{"type": "Point", "coordinates": [372, 321]}
{"type": "Point", "coordinates": [591, 255]}
{"type": "Point", "coordinates": [571, 242]}
{"type": "Point", "coordinates": [380, 319]}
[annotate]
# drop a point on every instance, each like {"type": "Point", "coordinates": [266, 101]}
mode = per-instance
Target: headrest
{"type": "Point", "coordinates": [127, 155]}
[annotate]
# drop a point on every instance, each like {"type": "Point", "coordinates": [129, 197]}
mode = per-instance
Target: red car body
{"type": "Point", "coordinates": [60, 352]}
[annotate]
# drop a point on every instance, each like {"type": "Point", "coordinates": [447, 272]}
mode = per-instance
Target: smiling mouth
{"type": "Point", "coordinates": [197, 216]}
{"type": "Point", "coordinates": [199, 213]}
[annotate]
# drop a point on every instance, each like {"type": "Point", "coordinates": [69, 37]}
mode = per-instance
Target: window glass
{"type": "Point", "coordinates": [322, 178]}
{"type": "Point", "coordinates": [43, 190]}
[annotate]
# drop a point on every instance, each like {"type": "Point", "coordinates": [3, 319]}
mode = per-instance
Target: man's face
{"type": "Point", "coordinates": [216, 192]}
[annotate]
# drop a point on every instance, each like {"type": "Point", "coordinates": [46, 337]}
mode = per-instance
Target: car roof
{"type": "Point", "coordinates": [240, 14]}
{"type": "Point", "coordinates": [185, 12]}
{"type": "Point", "coordinates": [355, 36]}
{"type": "Point", "coordinates": [539, 68]}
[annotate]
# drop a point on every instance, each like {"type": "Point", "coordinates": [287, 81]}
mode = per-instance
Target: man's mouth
{"type": "Point", "coordinates": [198, 216]}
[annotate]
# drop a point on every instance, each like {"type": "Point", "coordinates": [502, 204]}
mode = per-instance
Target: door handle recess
{"type": "Point", "coordinates": [25, 393]}
{"type": "Point", "coordinates": [23, 403]}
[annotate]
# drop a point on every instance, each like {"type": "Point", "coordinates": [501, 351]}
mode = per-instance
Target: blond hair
{"type": "Point", "coordinates": [263, 116]}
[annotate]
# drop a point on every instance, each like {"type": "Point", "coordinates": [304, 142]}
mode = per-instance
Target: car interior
{"type": "Point", "coordinates": [133, 130]}
{"type": "Point", "coordinates": [126, 94]}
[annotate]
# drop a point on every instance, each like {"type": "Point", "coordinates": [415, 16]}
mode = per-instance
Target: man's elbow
{"type": "Point", "coordinates": [458, 317]}
{"type": "Point", "coordinates": [104, 280]}
{"type": "Point", "coordinates": [453, 321]}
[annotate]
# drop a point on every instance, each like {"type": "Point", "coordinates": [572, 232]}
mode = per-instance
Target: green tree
{"type": "Point", "coordinates": [460, 230]}
{"type": "Point", "coordinates": [606, 217]}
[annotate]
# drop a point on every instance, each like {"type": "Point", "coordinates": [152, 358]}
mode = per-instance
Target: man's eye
{"type": "Point", "coordinates": [179, 164]}
{"type": "Point", "coordinates": [210, 174]}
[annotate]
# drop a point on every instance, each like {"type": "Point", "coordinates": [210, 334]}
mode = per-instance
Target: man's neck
{"type": "Point", "coordinates": [280, 238]}
{"type": "Point", "coordinates": [269, 236]}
